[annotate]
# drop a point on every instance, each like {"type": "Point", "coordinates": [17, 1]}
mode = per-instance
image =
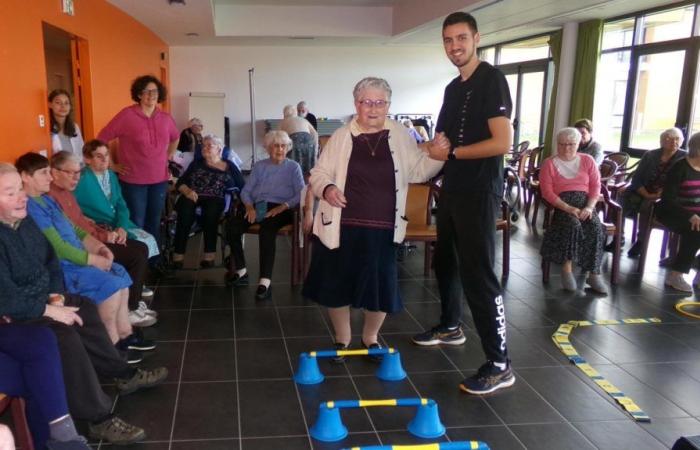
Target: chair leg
{"type": "Point", "coordinates": [615, 269]}
{"type": "Point", "coordinates": [545, 271]}
{"type": "Point", "coordinates": [19, 416]}
{"type": "Point", "coordinates": [645, 248]}
{"type": "Point", "coordinates": [664, 246]}
{"type": "Point", "coordinates": [427, 259]}
{"type": "Point", "coordinates": [535, 210]}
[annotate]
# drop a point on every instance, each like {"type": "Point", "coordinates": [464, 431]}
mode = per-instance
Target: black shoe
{"type": "Point", "coordinates": [236, 280]}
{"type": "Point", "coordinates": [611, 246]}
{"type": "Point", "coordinates": [136, 341]}
{"type": "Point", "coordinates": [373, 358]}
{"type": "Point", "coordinates": [635, 250]}
{"type": "Point", "coordinates": [488, 379]}
{"type": "Point", "coordinates": [206, 263]}
{"type": "Point", "coordinates": [339, 359]}
{"type": "Point", "coordinates": [665, 262]}
{"type": "Point", "coordinates": [263, 292]}
{"type": "Point", "coordinates": [161, 270]}
{"type": "Point", "coordinates": [177, 265]}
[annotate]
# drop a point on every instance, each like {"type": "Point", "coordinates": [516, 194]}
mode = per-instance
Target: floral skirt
{"type": "Point", "coordinates": [569, 239]}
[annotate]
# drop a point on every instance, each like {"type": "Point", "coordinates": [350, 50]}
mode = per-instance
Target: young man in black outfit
{"type": "Point", "coordinates": [475, 117]}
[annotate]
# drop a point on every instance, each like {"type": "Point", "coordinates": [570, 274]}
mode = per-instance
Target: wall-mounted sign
{"type": "Point", "coordinates": [68, 7]}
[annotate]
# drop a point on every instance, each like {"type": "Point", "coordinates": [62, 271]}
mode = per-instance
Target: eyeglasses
{"type": "Point", "coordinates": [367, 103]}
{"type": "Point", "coordinates": [568, 144]}
{"type": "Point", "coordinates": [100, 156]}
{"type": "Point", "coordinates": [70, 173]}
{"type": "Point", "coordinates": [149, 92]}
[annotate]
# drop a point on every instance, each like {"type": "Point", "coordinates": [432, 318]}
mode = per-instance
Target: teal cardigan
{"type": "Point", "coordinates": [95, 204]}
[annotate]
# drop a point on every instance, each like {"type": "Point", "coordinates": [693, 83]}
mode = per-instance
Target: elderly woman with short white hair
{"type": "Point", "coordinates": [272, 191]}
{"type": "Point", "coordinates": [204, 184]}
{"type": "Point", "coordinates": [570, 182]}
{"type": "Point", "coordinates": [362, 179]}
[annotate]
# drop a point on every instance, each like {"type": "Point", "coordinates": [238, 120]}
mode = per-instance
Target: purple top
{"type": "Point", "coordinates": [370, 188]}
{"type": "Point", "coordinates": [143, 143]}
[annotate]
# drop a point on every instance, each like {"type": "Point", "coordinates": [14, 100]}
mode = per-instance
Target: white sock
{"type": "Point", "coordinates": [265, 282]}
{"type": "Point", "coordinates": [242, 272]}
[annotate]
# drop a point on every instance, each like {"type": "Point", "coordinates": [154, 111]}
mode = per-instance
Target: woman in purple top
{"type": "Point", "coordinates": [362, 180]}
{"type": "Point", "coordinates": [273, 189]}
{"type": "Point", "coordinates": [679, 211]}
{"type": "Point", "coordinates": [143, 138]}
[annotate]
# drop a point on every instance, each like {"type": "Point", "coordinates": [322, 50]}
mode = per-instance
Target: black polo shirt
{"type": "Point", "coordinates": [466, 109]}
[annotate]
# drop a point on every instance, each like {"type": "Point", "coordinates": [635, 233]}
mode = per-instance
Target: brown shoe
{"type": "Point", "coordinates": [115, 431]}
{"type": "Point", "coordinates": [142, 379]}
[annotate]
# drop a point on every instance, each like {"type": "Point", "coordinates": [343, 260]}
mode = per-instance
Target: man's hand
{"type": "Point", "coordinates": [439, 147]}
{"type": "Point", "coordinates": [335, 197]}
{"type": "Point", "coordinates": [63, 314]}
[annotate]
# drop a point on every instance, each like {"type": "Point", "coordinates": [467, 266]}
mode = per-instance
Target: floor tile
{"type": "Point", "coordinates": [206, 411]}
{"type": "Point", "coordinates": [557, 436]}
{"type": "Point", "coordinates": [270, 408]}
{"type": "Point", "coordinates": [210, 361]}
{"type": "Point", "coordinates": [618, 435]}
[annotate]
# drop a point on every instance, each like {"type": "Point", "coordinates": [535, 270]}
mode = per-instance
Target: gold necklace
{"type": "Point", "coordinates": [373, 149]}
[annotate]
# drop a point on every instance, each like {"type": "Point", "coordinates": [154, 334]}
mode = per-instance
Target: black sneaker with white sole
{"type": "Point", "coordinates": [487, 379]}
{"type": "Point", "coordinates": [440, 335]}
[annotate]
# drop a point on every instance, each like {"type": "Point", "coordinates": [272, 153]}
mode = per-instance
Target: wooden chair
{"type": "Point", "coordinates": [419, 211]}
{"type": "Point", "coordinates": [322, 141]}
{"type": "Point", "coordinates": [669, 244]}
{"type": "Point", "coordinates": [297, 269]}
{"type": "Point", "coordinates": [610, 210]}
{"type": "Point", "coordinates": [21, 429]}
{"type": "Point", "coordinates": [532, 184]}
{"type": "Point", "coordinates": [607, 169]}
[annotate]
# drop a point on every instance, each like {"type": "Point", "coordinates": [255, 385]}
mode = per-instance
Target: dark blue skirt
{"type": "Point", "coordinates": [362, 272]}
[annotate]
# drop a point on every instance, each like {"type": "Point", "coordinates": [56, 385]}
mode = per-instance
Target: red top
{"type": "Point", "coordinates": [587, 180]}
{"type": "Point", "coordinates": [143, 143]}
{"type": "Point", "coordinates": [71, 209]}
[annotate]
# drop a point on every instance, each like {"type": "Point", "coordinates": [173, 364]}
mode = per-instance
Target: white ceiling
{"type": "Point", "coordinates": [359, 22]}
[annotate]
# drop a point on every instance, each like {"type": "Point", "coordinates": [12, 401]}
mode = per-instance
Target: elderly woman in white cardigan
{"type": "Point", "coordinates": [362, 180]}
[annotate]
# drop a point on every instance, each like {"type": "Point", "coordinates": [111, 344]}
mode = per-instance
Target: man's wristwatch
{"type": "Point", "coordinates": [451, 154]}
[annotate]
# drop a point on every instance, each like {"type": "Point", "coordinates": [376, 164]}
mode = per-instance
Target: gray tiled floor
{"type": "Point", "coordinates": [231, 360]}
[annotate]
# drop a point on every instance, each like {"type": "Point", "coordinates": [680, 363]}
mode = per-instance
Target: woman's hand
{"type": "Point", "coordinates": [121, 169]}
{"type": "Point", "coordinates": [585, 213]}
{"type": "Point", "coordinates": [695, 222]}
{"type": "Point", "coordinates": [192, 195]}
{"type": "Point", "coordinates": [250, 213]}
{"type": "Point", "coordinates": [100, 262]}
{"type": "Point", "coordinates": [335, 197]}
{"type": "Point", "coordinates": [276, 210]}
{"type": "Point", "coordinates": [122, 236]}
{"type": "Point", "coordinates": [308, 222]}
{"type": "Point", "coordinates": [63, 314]}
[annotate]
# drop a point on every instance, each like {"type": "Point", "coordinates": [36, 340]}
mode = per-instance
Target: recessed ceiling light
{"type": "Point", "coordinates": [192, 34]}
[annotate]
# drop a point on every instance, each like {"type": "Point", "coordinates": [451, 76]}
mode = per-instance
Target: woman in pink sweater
{"type": "Point", "coordinates": [570, 182]}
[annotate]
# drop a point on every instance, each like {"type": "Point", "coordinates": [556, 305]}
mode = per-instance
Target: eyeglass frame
{"type": "Point", "coordinates": [70, 173]}
{"type": "Point", "coordinates": [367, 103]}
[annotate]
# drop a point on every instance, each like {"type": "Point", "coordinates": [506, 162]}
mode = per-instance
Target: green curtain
{"type": "Point", "coordinates": [555, 49]}
{"type": "Point", "coordinates": [590, 36]}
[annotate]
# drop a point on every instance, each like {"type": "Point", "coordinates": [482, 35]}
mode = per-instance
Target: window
{"type": "Point", "coordinates": [648, 67]}
{"type": "Point", "coordinates": [526, 65]}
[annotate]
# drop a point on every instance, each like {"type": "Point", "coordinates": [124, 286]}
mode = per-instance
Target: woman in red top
{"type": "Point", "coordinates": [143, 137]}
{"type": "Point", "coordinates": [570, 182]}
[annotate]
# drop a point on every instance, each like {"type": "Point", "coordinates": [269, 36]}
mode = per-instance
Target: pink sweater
{"type": "Point", "coordinates": [143, 143]}
{"type": "Point", "coordinates": [587, 180]}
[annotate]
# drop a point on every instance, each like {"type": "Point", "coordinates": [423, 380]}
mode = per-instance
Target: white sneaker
{"type": "Point", "coordinates": [138, 319]}
{"type": "Point", "coordinates": [676, 281]}
{"type": "Point", "coordinates": [146, 292]}
{"type": "Point", "coordinates": [145, 310]}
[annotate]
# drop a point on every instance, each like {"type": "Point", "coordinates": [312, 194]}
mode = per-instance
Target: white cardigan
{"type": "Point", "coordinates": [411, 165]}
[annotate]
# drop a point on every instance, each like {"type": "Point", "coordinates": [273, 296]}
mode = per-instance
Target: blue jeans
{"type": "Point", "coordinates": [30, 367]}
{"type": "Point", "coordinates": [146, 202]}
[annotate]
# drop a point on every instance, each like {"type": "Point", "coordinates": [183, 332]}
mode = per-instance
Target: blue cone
{"type": "Point", "coordinates": [329, 426]}
{"type": "Point", "coordinates": [391, 369]}
{"type": "Point", "coordinates": [426, 424]}
{"type": "Point", "coordinates": [308, 371]}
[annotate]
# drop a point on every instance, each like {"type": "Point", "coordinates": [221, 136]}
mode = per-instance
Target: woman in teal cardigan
{"type": "Point", "coordinates": [100, 197]}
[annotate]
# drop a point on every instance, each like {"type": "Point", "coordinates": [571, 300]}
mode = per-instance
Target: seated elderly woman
{"type": "Point", "coordinates": [88, 265]}
{"type": "Point", "coordinates": [570, 182]}
{"type": "Point", "coordinates": [304, 139]}
{"type": "Point", "coordinates": [273, 189]}
{"type": "Point", "coordinates": [204, 184]}
{"type": "Point", "coordinates": [100, 197]}
{"type": "Point", "coordinates": [649, 179]}
{"type": "Point", "coordinates": [679, 210]}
